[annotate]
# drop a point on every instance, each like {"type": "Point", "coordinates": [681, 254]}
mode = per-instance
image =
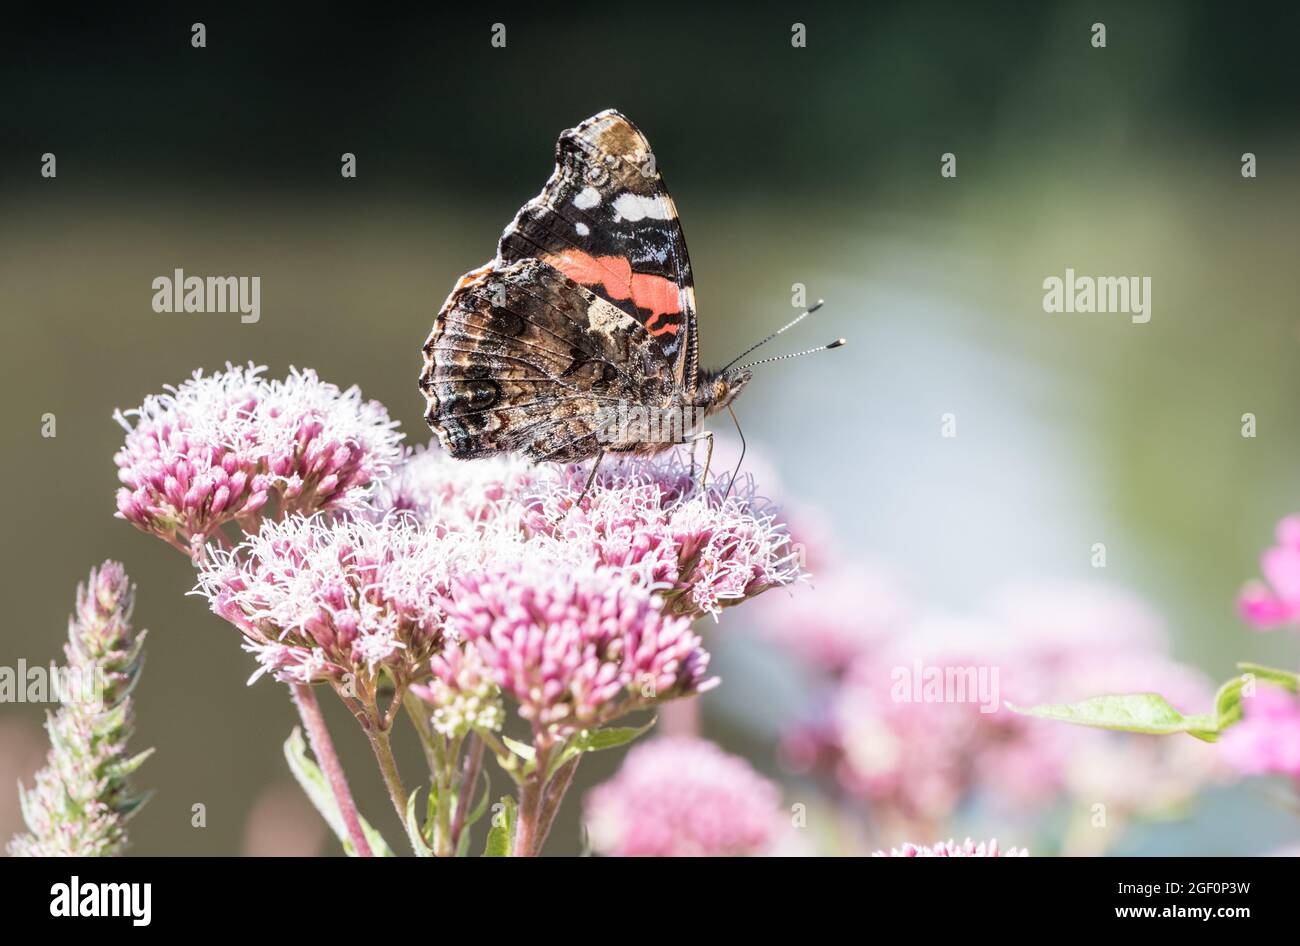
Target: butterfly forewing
{"type": "Point", "coordinates": [606, 220]}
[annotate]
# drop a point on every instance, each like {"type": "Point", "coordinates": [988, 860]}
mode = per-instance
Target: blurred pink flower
{"type": "Point", "coordinates": [321, 600]}
{"type": "Point", "coordinates": [1058, 622]}
{"type": "Point", "coordinates": [1276, 600]}
{"type": "Point", "coordinates": [576, 644]}
{"type": "Point", "coordinates": [216, 449]}
{"type": "Point", "coordinates": [684, 797]}
{"type": "Point", "coordinates": [950, 849]}
{"type": "Point", "coordinates": [840, 615]}
{"type": "Point", "coordinates": [915, 760]}
{"type": "Point", "coordinates": [1267, 741]}
{"type": "Point", "coordinates": [282, 823]}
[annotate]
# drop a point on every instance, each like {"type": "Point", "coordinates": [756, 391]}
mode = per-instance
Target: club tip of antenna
{"type": "Point", "coordinates": [816, 305]}
{"type": "Point", "coordinates": [837, 343]}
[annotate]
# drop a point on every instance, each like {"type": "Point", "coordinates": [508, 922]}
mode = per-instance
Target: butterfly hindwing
{"type": "Point", "coordinates": [606, 220]}
{"type": "Point", "coordinates": [523, 358]}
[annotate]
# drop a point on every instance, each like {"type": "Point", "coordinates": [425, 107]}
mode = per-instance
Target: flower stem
{"type": "Point", "coordinates": [420, 720]}
{"type": "Point", "coordinates": [323, 748]}
{"type": "Point", "coordinates": [388, 768]}
{"type": "Point", "coordinates": [555, 792]}
{"type": "Point", "coordinates": [531, 795]}
{"type": "Point", "coordinates": [530, 799]}
{"type": "Point", "coordinates": [468, 786]}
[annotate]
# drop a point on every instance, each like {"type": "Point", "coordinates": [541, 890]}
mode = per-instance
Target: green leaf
{"type": "Point", "coordinates": [462, 846]}
{"type": "Point", "coordinates": [413, 831]}
{"type": "Point", "coordinates": [313, 783]}
{"type": "Point", "coordinates": [477, 811]}
{"type": "Point", "coordinates": [611, 738]}
{"type": "Point", "coordinates": [1227, 704]}
{"type": "Point", "coordinates": [501, 838]}
{"type": "Point", "coordinates": [1151, 713]}
{"type": "Point", "coordinates": [1132, 712]}
{"type": "Point", "coordinates": [1283, 678]}
{"type": "Point", "coordinates": [127, 766]}
{"type": "Point", "coordinates": [597, 740]}
{"type": "Point", "coordinates": [524, 751]}
{"type": "Point", "coordinates": [431, 810]}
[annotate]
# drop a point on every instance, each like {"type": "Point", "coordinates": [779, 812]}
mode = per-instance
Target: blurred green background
{"type": "Point", "coordinates": [816, 165]}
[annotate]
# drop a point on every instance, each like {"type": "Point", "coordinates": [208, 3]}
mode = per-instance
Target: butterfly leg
{"type": "Point", "coordinates": [708, 456]}
{"type": "Point", "coordinates": [591, 478]}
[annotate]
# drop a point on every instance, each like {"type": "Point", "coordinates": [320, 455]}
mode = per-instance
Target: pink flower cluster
{"type": "Point", "coordinates": [1276, 600]}
{"type": "Point", "coordinates": [462, 692]}
{"type": "Point", "coordinates": [684, 797]}
{"type": "Point", "coordinates": [705, 552]}
{"type": "Point", "coordinates": [1267, 741]}
{"type": "Point", "coordinates": [328, 600]}
{"type": "Point", "coordinates": [914, 753]}
{"type": "Point", "coordinates": [645, 518]}
{"type": "Point", "coordinates": [574, 643]}
{"type": "Point", "coordinates": [449, 495]}
{"type": "Point", "coordinates": [217, 449]}
{"type": "Point", "coordinates": [949, 849]}
{"type": "Point", "coordinates": [842, 615]}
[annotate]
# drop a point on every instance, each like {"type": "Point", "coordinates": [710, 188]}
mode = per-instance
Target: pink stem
{"type": "Point", "coordinates": [468, 785]}
{"type": "Point", "coordinates": [323, 748]}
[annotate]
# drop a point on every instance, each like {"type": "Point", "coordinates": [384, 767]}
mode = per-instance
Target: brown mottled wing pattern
{"type": "Point", "coordinates": [522, 358]}
{"type": "Point", "coordinates": [605, 219]}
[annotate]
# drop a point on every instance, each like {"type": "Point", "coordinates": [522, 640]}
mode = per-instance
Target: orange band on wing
{"type": "Point", "coordinates": [614, 274]}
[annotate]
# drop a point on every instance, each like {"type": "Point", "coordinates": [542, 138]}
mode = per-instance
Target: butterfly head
{"type": "Point", "coordinates": [717, 389]}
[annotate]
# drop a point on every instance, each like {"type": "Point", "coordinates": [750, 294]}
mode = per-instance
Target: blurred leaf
{"type": "Point", "coordinates": [597, 740]}
{"type": "Point", "coordinates": [1150, 713]}
{"type": "Point", "coordinates": [1283, 678]}
{"type": "Point", "coordinates": [314, 784]}
{"type": "Point", "coordinates": [1133, 712]}
{"type": "Point", "coordinates": [525, 752]}
{"type": "Point", "coordinates": [477, 812]}
{"type": "Point", "coordinates": [501, 837]}
{"type": "Point", "coordinates": [462, 846]}
{"type": "Point", "coordinates": [413, 832]}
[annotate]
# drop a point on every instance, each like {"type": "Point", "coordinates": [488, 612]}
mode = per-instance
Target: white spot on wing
{"type": "Point", "coordinates": [582, 229]}
{"type": "Point", "coordinates": [587, 198]}
{"type": "Point", "coordinates": [635, 207]}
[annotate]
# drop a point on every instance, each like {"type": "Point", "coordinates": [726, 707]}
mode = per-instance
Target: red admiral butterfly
{"type": "Point", "coordinates": [579, 337]}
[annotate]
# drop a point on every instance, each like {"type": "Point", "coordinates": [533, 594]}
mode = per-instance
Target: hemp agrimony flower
{"type": "Point", "coordinates": [83, 798]}
{"type": "Point", "coordinates": [575, 647]}
{"type": "Point", "coordinates": [684, 797]}
{"type": "Point", "coordinates": [216, 449]}
{"type": "Point", "coordinates": [334, 601]}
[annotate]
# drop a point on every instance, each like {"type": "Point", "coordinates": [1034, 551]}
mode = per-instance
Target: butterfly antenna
{"type": "Point", "coordinates": [794, 354]}
{"type": "Point", "coordinates": [799, 318]}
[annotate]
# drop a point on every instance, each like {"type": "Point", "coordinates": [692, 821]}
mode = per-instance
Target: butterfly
{"type": "Point", "coordinates": [579, 338]}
